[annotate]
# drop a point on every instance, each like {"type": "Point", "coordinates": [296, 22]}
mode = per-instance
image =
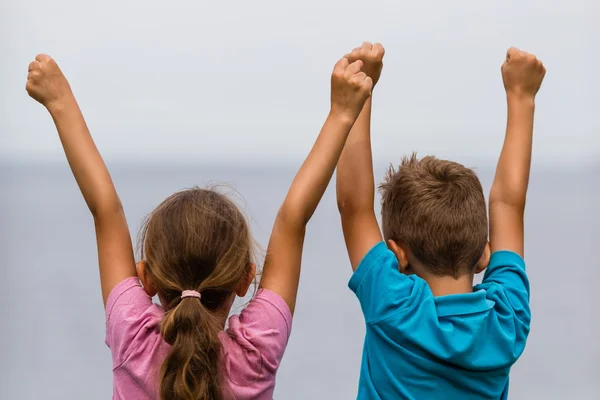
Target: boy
{"type": "Point", "coordinates": [430, 334]}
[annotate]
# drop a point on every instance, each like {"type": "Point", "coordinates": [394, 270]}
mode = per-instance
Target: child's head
{"type": "Point", "coordinates": [434, 214]}
{"type": "Point", "coordinates": [195, 240]}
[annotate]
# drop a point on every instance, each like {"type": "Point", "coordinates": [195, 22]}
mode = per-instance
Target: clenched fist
{"type": "Point", "coordinates": [522, 73]}
{"type": "Point", "coordinates": [350, 88]}
{"type": "Point", "coordinates": [372, 57]}
{"type": "Point", "coordinates": [46, 82]}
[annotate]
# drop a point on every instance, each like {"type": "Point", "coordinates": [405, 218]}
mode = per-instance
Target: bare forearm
{"type": "Point", "coordinates": [512, 173]}
{"type": "Point", "coordinates": [84, 159]}
{"type": "Point", "coordinates": [312, 179]}
{"type": "Point", "coordinates": [47, 85]}
{"type": "Point", "coordinates": [355, 186]}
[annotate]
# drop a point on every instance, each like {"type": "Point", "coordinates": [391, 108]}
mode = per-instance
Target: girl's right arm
{"type": "Point", "coordinates": [350, 88]}
{"type": "Point", "coordinates": [47, 84]}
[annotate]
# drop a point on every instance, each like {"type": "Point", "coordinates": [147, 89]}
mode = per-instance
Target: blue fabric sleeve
{"type": "Point", "coordinates": [380, 287]}
{"type": "Point", "coordinates": [507, 269]}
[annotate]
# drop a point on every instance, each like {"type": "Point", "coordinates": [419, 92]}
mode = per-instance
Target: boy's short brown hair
{"type": "Point", "coordinates": [437, 208]}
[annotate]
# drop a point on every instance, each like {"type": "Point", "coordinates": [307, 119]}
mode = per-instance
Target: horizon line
{"type": "Point", "coordinates": [135, 162]}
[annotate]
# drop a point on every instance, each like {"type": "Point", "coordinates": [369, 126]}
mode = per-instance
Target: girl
{"type": "Point", "coordinates": [196, 251]}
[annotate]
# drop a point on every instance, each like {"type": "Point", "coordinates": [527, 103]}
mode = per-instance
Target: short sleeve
{"type": "Point", "coordinates": [263, 326]}
{"type": "Point", "coordinates": [129, 311]}
{"type": "Point", "coordinates": [380, 287]}
{"type": "Point", "coordinates": [507, 270]}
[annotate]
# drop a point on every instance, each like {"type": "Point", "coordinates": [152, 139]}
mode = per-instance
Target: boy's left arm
{"type": "Point", "coordinates": [355, 186]}
{"type": "Point", "coordinates": [522, 74]}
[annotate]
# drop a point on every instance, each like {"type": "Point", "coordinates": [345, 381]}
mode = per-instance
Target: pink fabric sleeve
{"type": "Point", "coordinates": [128, 311]}
{"type": "Point", "coordinates": [261, 332]}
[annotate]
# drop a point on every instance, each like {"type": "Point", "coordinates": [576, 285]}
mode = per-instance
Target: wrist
{"type": "Point", "coordinates": [61, 104]}
{"type": "Point", "coordinates": [525, 100]}
{"type": "Point", "coordinates": [343, 117]}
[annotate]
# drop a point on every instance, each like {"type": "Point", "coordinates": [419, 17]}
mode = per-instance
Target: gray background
{"type": "Point", "coordinates": [182, 93]}
{"type": "Point", "coordinates": [52, 333]}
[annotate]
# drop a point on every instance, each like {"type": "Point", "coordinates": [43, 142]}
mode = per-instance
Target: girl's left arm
{"type": "Point", "coordinates": [281, 272]}
{"type": "Point", "coordinates": [47, 84]}
{"type": "Point", "coordinates": [350, 88]}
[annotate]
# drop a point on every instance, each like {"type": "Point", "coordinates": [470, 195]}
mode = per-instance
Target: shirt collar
{"type": "Point", "coordinates": [463, 304]}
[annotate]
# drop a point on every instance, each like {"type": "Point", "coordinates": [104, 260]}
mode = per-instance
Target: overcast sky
{"type": "Point", "coordinates": [249, 80]}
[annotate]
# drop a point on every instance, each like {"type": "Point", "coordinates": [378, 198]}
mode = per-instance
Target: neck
{"type": "Point", "coordinates": [445, 285]}
{"type": "Point", "coordinates": [224, 310]}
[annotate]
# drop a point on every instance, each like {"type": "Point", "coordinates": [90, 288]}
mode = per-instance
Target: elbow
{"type": "Point", "coordinates": [349, 207]}
{"type": "Point", "coordinates": [342, 203]}
{"type": "Point", "coordinates": [344, 207]}
{"type": "Point", "coordinates": [509, 191]}
{"type": "Point", "coordinates": [355, 199]}
{"type": "Point", "coordinates": [292, 217]}
{"type": "Point", "coordinates": [345, 199]}
{"type": "Point", "coordinates": [514, 201]}
{"type": "Point", "coordinates": [106, 208]}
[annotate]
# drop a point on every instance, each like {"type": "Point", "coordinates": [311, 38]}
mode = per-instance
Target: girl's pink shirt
{"type": "Point", "coordinates": [253, 345]}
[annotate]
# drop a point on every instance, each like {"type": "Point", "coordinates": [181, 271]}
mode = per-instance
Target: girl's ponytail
{"type": "Point", "coordinates": [190, 370]}
{"type": "Point", "coordinates": [195, 239]}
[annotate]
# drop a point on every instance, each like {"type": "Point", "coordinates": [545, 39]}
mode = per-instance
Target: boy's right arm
{"type": "Point", "coordinates": [522, 74]}
{"type": "Point", "coordinates": [47, 84]}
{"type": "Point", "coordinates": [355, 186]}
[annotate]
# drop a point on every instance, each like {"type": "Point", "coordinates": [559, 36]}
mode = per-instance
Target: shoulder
{"type": "Point", "coordinates": [378, 257]}
{"type": "Point", "coordinates": [129, 297]}
{"type": "Point", "coordinates": [266, 312]}
{"type": "Point", "coordinates": [132, 319]}
{"type": "Point", "coordinates": [268, 309]}
{"type": "Point", "coordinates": [255, 340]}
{"type": "Point", "coordinates": [382, 290]}
{"type": "Point", "coordinates": [503, 258]}
{"type": "Point", "coordinates": [506, 272]}
{"type": "Point", "coordinates": [506, 283]}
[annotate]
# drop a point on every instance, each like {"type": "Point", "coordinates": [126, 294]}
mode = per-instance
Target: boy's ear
{"type": "Point", "coordinates": [242, 288]}
{"type": "Point", "coordinates": [401, 255]}
{"type": "Point", "coordinates": [145, 278]}
{"type": "Point", "coordinates": [484, 261]}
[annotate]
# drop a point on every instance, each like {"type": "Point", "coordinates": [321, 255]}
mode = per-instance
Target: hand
{"type": "Point", "coordinates": [372, 57]}
{"type": "Point", "coordinates": [522, 73]}
{"type": "Point", "coordinates": [350, 88]}
{"type": "Point", "coordinates": [46, 82]}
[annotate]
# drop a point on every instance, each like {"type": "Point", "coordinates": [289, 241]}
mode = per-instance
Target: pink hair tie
{"type": "Point", "coordinates": [190, 293]}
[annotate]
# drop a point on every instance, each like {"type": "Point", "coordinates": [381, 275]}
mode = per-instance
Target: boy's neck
{"type": "Point", "coordinates": [445, 285]}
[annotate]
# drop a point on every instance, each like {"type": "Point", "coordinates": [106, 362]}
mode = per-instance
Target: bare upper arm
{"type": "Point", "coordinates": [281, 271]}
{"type": "Point", "coordinates": [115, 250]}
{"type": "Point", "coordinates": [506, 228]}
{"type": "Point", "coordinates": [361, 233]}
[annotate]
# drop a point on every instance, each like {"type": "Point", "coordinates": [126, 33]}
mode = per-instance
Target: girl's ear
{"type": "Point", "coordinates": [145, 278]}
{"type": "Point", "coordinates": [484, 261]}
{"type": "Point", "coordinates": [401, 255]}
{"type": "Point", "coordinates": [242, 288]}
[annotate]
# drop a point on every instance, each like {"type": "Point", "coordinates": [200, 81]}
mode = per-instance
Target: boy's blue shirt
{"type": "Point", "coordinates": [421, 347]}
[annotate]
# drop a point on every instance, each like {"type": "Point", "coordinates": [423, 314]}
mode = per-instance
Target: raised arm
{"type": "Point", "coordinates": [349, 89]}
{"type": "Point", "coordinates": [47, 84]}
{"type": "Point", "coordinates": [355, 186]}
{"type": "Point", "coordinates": [522, 74]}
